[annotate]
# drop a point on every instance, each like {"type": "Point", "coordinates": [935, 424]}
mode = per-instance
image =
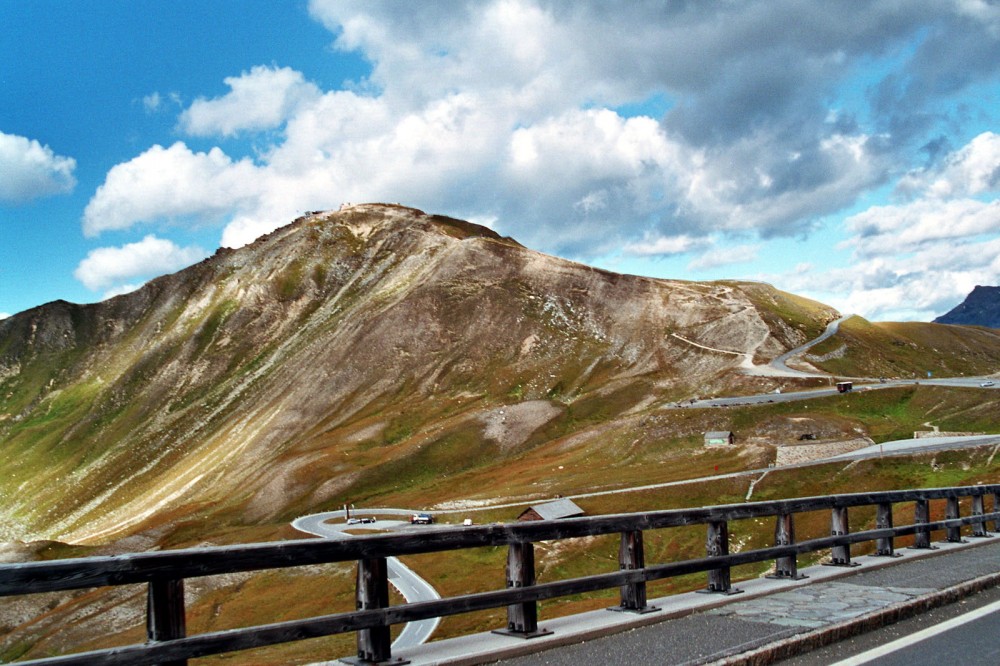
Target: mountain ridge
{"type": "Point", "coordinates": [343, 342]}
{"type": "Point", "coordinates": [980, 308]}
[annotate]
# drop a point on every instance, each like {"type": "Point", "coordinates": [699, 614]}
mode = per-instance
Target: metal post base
{"type": "Point", "coordinates": [728, 593]}
{"type": "Point", "coordinates": [786, 576]}
{"type": "Point", "coordinates": [522, 634]}
{"type": "Point", "coordinates": [358, 661]}
{"type": "Point", "coordinates": [636, 611]}
{"type": "Point", "coordinates": [842, 564]}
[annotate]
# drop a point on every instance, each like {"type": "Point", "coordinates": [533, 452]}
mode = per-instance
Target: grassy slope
{"type": "Point", "coordinates": [414, 447]}
{"type": "Point", "coordinates": [668, 451]}
{"type": "Point", "coordinates": [908, 349]}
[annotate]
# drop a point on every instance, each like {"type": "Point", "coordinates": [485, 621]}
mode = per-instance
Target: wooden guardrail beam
{"type": "Point", "coordinates": [164, 572]}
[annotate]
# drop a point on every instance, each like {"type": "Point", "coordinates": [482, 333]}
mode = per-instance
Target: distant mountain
{"type": "Point", "coordinates": [980, 308]}
{"type": "Point", "coordinates": [350, 354]}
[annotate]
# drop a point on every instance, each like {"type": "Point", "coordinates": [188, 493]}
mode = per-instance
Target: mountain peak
{"type": "Point", "coordinates": [348, 354]}
{"type": "Point", "coordinates": [980, 308]}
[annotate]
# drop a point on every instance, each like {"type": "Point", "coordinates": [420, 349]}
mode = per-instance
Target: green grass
{"type": "Point", "coordinates": [909, 350]}
{"type": "Point", "coordinates": [284, 595]}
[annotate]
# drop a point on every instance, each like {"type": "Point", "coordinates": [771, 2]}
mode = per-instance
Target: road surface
{"type": "Point", "coordinates": [962, 633]}
{"type": "Point", "coordinates": [779, 366]}
{"type": "Point", "coordinates": [412, 587]}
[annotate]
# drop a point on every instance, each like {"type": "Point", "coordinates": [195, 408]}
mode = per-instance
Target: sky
{"type": "Point", "coordinates": [845, 151]}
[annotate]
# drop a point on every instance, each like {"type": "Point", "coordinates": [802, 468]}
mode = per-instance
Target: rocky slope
{"type": "Point", "coordinates": [345, 355]}
{"type": "Point", "coordinates": [980, 308]}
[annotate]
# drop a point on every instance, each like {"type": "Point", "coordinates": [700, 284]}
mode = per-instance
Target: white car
{"type": "Point", "coordinates": [987, 384]}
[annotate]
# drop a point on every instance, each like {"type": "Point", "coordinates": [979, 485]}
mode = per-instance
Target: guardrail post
{"type": "Point", "coordinates": [371, 592]}
{"type": "Point", "coordinates": [951, 512]}
{"type": "Point", "coordinates": [522, 618]}
{"type": "Point", "coordinates": [979, 529]}
{"type": "Point", "coordinates": [717, 545]}
{"type": "Point", "coordinates": [883, 521]}
{"type": "Point", "coordinates": [996, 509]}
{"type": "Point", "coordinates": [165, 619]}
{"type": "Point", "coordinates": [631, 557]}
{"type": "Point", "coordinates": [840, 556]}
{"type": "Point", "coordinates": [922, 515]}
{"type": "Point", "coordinates": [784, 535]}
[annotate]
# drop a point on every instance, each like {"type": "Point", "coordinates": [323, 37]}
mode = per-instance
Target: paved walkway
{"type": "Point", "coordinates": [769, 619]}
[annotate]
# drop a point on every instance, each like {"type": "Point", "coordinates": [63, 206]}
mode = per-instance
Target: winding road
{"type": "Point", "coordinates": [779, 365]}
{"type": "Point", "coordinates": [413, 588]}
{"type": "Point", "coordinates": [406, 581]}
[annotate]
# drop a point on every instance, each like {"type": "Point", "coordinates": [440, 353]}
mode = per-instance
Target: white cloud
{"type": "Point", "coordinates": [110, 267]}
{"type": "Point", "coordinates": [31, 170]}
{"type": "Point", "coordinates": [506, 111]}
{"type": "Point", "coordinates": [151, 102]}
{"type": "Point", "coordinates": [4, 315]}
{"type": "Point", "coordinates": [972, 170]}
{"type": "Point", "coordinates": [900, 229]}
{"type": "Point", "coordinates": [725, 256]}
{"type": "Point", "coordinates": [920, 258]}
{"type": "Point", "coordinates": [666, 246]}
{"type": "Point", "coordinates": [262, 98]}
{"type": "Point", "coordinates": [120, 290]}
{"type": "Point", "coordinates": [170, 183]}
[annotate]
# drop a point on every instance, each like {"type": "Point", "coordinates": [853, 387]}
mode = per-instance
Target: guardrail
{"type": "Point", "coordinates": [165, 572]}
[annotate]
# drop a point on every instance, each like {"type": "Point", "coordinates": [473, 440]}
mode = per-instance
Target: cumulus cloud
{"type": "Point", "coordinates": [506, 109]}
{"type": "Point", "coordinates": [919, 258]}
{"type": "Point", "coordinates": [513, 111]}
{"type": "Point", "coordinates": [728, 256]}
{"type": "Point", "coordinates": [111, 267]}
{"type": "Point", "coordinates": [31, 170]}
{"type": "Point", "coordinates": [902, 229]}
{"type": "Point", "coordinates": [262, 98]}
{"type": "Point", "coordinates": [170, 183]}
{"type": "Point", "coordinates": [665, 246]}
{"type": "Point", "coordinates": [971, 170]}
{"type": "Point", "coordinates": [917, 286]}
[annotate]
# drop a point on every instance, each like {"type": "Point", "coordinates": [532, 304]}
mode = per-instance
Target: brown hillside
{"type": "Point", "coordinates": [350, 354]}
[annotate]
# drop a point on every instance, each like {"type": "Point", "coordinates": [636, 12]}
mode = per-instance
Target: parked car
{"type": "Point", "coordinates": [987, 384]}
{"type": "Point", "coordinates": [361, 521]}
{"type": "Point", "coordinates": [421, 519]}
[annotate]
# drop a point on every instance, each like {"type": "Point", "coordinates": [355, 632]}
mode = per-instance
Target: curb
{"type": "Point", "coordinates": [800, 644]}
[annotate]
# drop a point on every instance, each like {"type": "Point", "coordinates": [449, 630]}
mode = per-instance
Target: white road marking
{"type": "Point", "coordinates": [905, 641]}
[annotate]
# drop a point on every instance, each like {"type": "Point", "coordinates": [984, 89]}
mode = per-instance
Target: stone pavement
{"type": "Point", "coordinates": [769, 620]}
{"type": "Point", "coordinates": [819, 605]}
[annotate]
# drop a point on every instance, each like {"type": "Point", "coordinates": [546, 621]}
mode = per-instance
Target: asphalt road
{"type": "Point", "coordinates": [975, 632]}
{"type": "Point", "coordinates": [779, 364]}
{"type": "Point", "coordinates": [412, 587]}
{"type": "Point", "coordinates": [920, 640]}
{"type": "Point", "coordinates": [906, 446]}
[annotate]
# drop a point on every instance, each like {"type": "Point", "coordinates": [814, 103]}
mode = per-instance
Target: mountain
{"type": "Point", "coordinates": [373, 352]}
{"type": "Point", "coordinates": [980, 308]}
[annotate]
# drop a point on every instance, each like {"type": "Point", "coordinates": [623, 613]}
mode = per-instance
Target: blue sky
{"type": "Point", "coordinates": [845, 151]}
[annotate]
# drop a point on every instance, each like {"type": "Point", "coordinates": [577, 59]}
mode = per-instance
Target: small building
{"type": "Point", "coordinates": [720, 438]}
{"type": "Point", "coordinates": [563, 508]}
